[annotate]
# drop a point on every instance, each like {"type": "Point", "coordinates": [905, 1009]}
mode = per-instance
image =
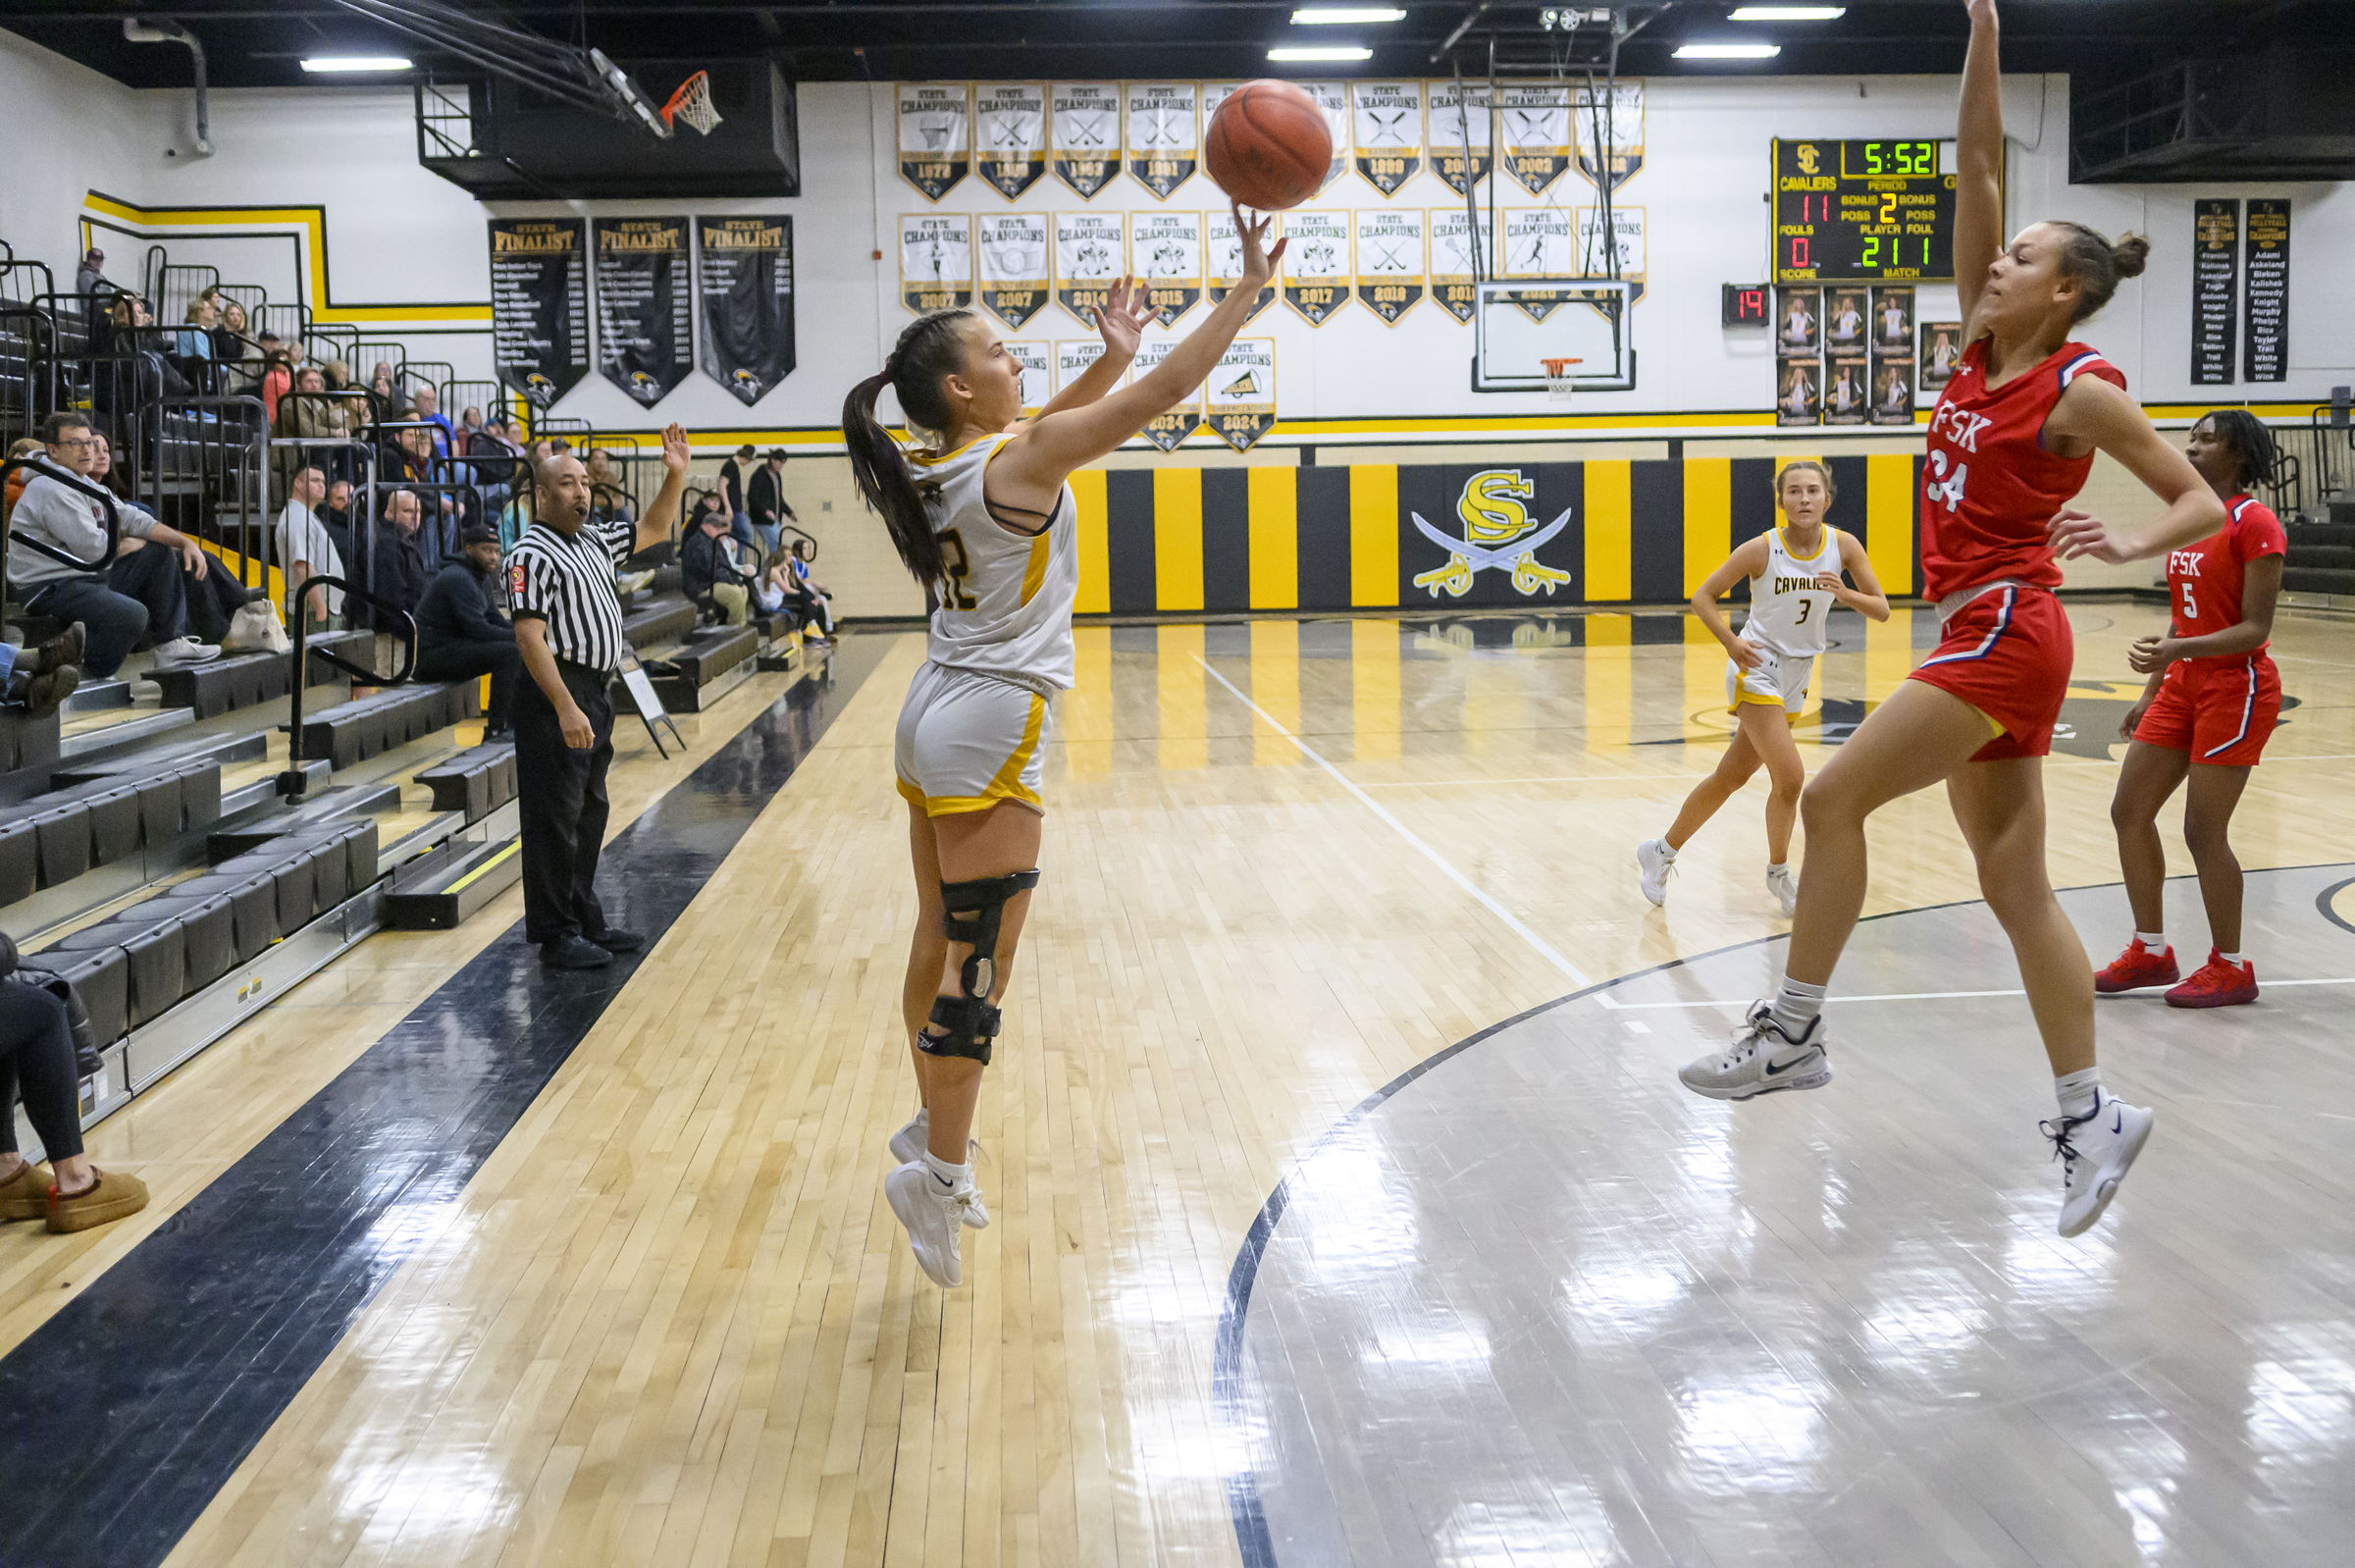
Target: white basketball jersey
{"type": "Point", "coordinates": [1007, 609]}
{"type": "Point", "coordinates": [1786, 610]}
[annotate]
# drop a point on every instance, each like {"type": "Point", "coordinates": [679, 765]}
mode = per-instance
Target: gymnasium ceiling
{"type": "Point", "coordinates": [261, 42]}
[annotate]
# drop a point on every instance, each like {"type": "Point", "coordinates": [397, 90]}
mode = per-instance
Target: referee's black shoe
{"type": "Point", "coordinates": [573, 952]}
{"type": "Point", "coordinates": [617, 941]}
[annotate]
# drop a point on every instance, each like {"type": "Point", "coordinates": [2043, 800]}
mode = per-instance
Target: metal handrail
{"type": "Point", "coordinates": [291, 783]}
{"type": "Point", "coordinates": [40, 463]}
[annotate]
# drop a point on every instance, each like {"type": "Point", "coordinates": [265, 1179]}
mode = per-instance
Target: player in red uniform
{"type": "Point", "coordinates": [2211, 703]}
{"type": "Point", "coordinates": [2009, 444]}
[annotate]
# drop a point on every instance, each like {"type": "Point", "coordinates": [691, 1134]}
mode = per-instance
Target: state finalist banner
{"type": "Point", "coordinates": [745, 268]}
{"type": "Point", "coordinates": [539, 304]}
{"type": "Point", "coordinates": [2265, 339]}
{"type": "Point", "coordinates": [645, 305]}
{"type": "Point", "coordinates": [2215, 270]}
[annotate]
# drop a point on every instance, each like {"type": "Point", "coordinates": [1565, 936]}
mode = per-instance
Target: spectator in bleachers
{"type": "Point", "coordinates": [460, 633]}
{"type": "Point", "coordinates": [304, 549]}
{"type": "Point", "coordinates": [313, 416]}
{"type": "Point", "coordinates": [731, 484]}
{"type": "Point", "coordinates": [277, 375]}
{"type": "Point", "coordinates": [767, 495]}
{"type": "Point", "coordinates": [428, 405]}
{"type": "Point", "coordinates": [212, 594]}
{"type": "Point", "coordinates": [396, 569]}
{"type": "Point", "coordinates": [56, 528]}
{"type": "Point", "coordinates": [338, 375]}
{"type": "Point", "coordinates": [22, 446]}
{"type": "Point", "coordinates": [707, 573]}
{"type": "Point", "coordinates": [90, 277]}
{"type": "Point", "coordinates": [40, 1057]}
{"type": "Point", "coordinates": [192, 344]}
{"type": "Point", "coordinates": [810, 601]}
{"type": "Point", "coordinates": [230, 344]}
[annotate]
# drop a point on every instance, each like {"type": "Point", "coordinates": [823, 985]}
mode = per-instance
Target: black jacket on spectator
{"type": "Point", "coordinates": [396, 575]}
{"type": "Point", "coordinates": [731, 484]}
{"type": "Point", "coordinates": [704, 561]}
{"type": "Point", "coordinates": [765, 492]}
{"type": "Point", "coordinates": [456, 609]}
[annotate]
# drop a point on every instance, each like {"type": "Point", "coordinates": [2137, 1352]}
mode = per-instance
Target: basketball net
{"type": "Point", "coordinates": [693, 104]}
{"type": "Point", "coordinates": [1560, 387]}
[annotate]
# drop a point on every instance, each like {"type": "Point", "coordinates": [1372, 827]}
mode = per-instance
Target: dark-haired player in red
{"type": "Point", "coordinates": [2212, 700]}
{"type": "Point", "coordinates": [2009, 444]}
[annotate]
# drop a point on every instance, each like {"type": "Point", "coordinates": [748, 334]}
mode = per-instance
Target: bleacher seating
{"type": "Point", "coordinates": [51, 839]}
{"type": "Point", "coordinates": [662, 621]}
{"type": "Point", "coordinates": [354, 731]}
{"type": "Point", "coordinates": [477, 781]}
{"type": "Point", "coordinates": [246, 680]}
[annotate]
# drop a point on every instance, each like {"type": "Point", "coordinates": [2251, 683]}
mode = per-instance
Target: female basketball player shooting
{"type": "Point", "coordinates": [1794, 574]}
{"type": "Point", "coordinates": [2010, 442]}
{"type": "Point", "coordinates": [2212, 700]}
{"type": "Point", "coordinates": [983, 519]}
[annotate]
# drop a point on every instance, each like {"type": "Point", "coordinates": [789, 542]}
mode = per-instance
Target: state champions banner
{"type": "Point", "coordinates": [1595, 258]}
{"type": "Point", "coordinates": [1168, 430]}
{"type": "Point", "coordinates": [1010, 141]}
{"type": "Point", "coordinates": [1316, 263]}
{"type": "Point", "coordinates": [744, 277]}
{"type": "Point", "coordinates": [935, 135]}
{"type": "Point", "coordinates": [1166, 250]}
{"type": "Point", "coordinates": [1084, 131]}
{"type": "Point", "coordinates": [1455, 260]}
{"type": "Point", "coordinates": [936, 261]}
{"type": "Point", "coordinates": [540, 305]}
{"type": "Point", "coordinates": [1334, 98]}
{"type": "Point", "coordinates": [1458, 133]}
{"type": "Point", "coordinates": [1539, 242]}
{"type": "Point", "coordinates": [645, 305]}
{"type": "Point", "coordinates": [1240, 395]}
{"type": "Point", "coordinates": [1161, 134]}
{"type": "Point", "coordinates": [1226, 261]}
{"type": "Point", "coordinates": [1389, 262]}
{"type": "Point", "coordinates": [1612, 116]}
{"type": "Point", "coordinates": [1091, 250]}
{"type": "Point", "coordinates": [1036, 357]}
{"type": "Point", "coordinates": [1015, 268]}
{"type": "Point", "coordinates": [1386, 122]}
{"type": "Point", "coordinates": [1534, 120]}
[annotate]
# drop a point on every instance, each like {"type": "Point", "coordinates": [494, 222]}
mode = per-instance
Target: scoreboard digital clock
{"type": "Point", "coordinates": [1864, 211]}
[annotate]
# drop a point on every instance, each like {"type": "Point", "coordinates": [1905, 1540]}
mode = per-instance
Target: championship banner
{"type": "Point", "coordinates": [1846, 391]}
{"type": "Point", "coordinates": [1390, 260]}
{"type": "Point", "coordinates": [1073, 356]}
{"type": "Point", "coordinates": [936, 261]}
{"type": "Point", "coordinates": [1385, 120]}
{"type": "Point", "coordinates": [1539, 242]}
{"type": "Point", "coordinates": [1037, 359]}
{"type": "Point", "coordinates": [1162, 139]}
{"type": "Point", "coordinates": [540, 305]}
{"type": "Point", "coordinates": [1334, 98]}
{"type": "Point", "coordinates": [2215, 277]}
{"type": "Point", "coordinates": [1009, 141]}
{"type": "Point", "coordinates": [1167, 430]}
{"type": "Point", "coordinates": [645, 305]}
{"type": "Point", "coordinates": [1455, 260]}
{"type": "Point", "coordinates": [1167, 252]}
{"type": "Point", "coordinates": [745, 275]}
{"type": "Point", "coordinates": [1316, 263]}
{"type": "Point", "coordinates": [1240, 394]}
{"type": "Point", "coordinates": [1085, 126]}
{"type": "Point", "coordinates": [1458, 134]}
{"type": "Point", "coordinates": [2265, 250]}
{"type": "Point", "coordinates": [1213, 93]}
{"type": "Point", "coordinates": [935, 141]}
{"type": "Point", "coordinates": [1614, 115]}
{"type": "Point", "coordinates": [1091, 250]}
{"type": "Point", "coordinates": [1627, 237]}
{"type": "Point", "coordinates": [1534, 117]}
{"type": "Point", "coordinates": [1015, 280]}
{"type": "Point", "coordinates": [1227, 261]}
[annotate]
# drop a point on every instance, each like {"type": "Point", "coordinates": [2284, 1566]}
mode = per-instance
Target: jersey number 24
{"type": "Point", "coordinates": [1949, 490]}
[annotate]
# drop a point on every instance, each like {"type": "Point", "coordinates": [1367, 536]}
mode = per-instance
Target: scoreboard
{"type": "Point", "coordinates": [1864, 211]}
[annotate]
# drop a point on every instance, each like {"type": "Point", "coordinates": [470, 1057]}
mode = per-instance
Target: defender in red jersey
{"type": "Point", "coordinates": [2212, 700]}
{"type": "Point", "coordinates": [2009, 444]}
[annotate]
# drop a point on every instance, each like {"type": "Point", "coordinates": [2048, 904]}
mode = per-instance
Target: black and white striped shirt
{"type": "Point", "coordinates": [567, 582]}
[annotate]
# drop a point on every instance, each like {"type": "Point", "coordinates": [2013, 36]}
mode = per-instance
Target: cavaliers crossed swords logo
{"type": "Point", "coordinates": [1498, 532]}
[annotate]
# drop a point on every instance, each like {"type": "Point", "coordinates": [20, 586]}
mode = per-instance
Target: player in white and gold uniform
{"type": "Point", "coordinates": [1795, 575]}
{"type": "Point", "coordinates": [983, 517]}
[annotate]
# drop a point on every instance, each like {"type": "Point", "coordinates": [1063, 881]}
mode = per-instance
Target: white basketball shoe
{"type": "Point", "coordinates": [908, 1148]}
{"type": "Point", "coordinates": [2095, 1153]}
{"type": "Point", "coordinates": [935, 1215]}
{"type": "Point", "coordinates": [1785, 888]}
{"type": "Point", "coordinates": [1764, 1059]}
{"type": "Point", "coordinates": [1655, 862]}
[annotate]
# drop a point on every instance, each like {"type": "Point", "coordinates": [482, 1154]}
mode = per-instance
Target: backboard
{"type": "Point", "coordinates": [1520, 323]}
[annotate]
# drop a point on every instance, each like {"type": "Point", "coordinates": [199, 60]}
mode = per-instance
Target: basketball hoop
{"type": "Point", "coordinates": [693, 104]}
{"type": "Point", "coordinates": [1560, 387]}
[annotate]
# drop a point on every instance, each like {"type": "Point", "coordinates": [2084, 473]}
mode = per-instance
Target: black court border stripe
{"type": "Point", "coordinates": [1251, 1534]}
{"type": "Point", "coordinates": [131, 1408]}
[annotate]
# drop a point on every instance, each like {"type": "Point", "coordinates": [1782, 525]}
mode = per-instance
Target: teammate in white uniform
{"type": "Point", "coordinates": [983, 517]}
{"type": "Point", "coordinates": [1793, 573]}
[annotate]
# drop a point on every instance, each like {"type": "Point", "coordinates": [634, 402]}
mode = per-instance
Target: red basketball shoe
{"type": "Point", "coordinates": [2135, 968]}
{"type": "Point", "coordinates": [2217, 983]}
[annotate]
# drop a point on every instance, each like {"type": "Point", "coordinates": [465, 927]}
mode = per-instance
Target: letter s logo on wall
{"type": "Point", "coordinates": [1496, 533]}
{"type": "Point", "coordinates": [1491, 506]}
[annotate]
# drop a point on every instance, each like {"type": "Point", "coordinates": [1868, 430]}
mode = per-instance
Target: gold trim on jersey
{"type": "Point", "coordinates": [1006, 785]}
{"type": "Point", "coordinates": [1035, 571]}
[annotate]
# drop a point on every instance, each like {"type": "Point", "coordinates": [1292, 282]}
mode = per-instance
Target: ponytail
{"type": "Point", "coordinates": [929, 349]}
{"type": "Point", "coordinates": [2097, 265]}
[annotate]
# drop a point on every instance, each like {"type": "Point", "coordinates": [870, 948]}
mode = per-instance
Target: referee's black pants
{"type": "Point", "coordinates": [560, 794]}
{"type": "Point", "coordinates": [501, 662]}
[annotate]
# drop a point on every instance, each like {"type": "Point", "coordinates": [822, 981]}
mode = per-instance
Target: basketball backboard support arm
{"type": "Point", "coordinates": [583, 79]}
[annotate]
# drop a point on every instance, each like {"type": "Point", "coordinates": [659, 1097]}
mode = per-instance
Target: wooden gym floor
{"type": "Point", "coordinates": [664, 1315]}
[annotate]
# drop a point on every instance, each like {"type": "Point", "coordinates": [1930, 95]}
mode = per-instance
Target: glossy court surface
{"type": "Point", "coordinates": [1535, 1305]}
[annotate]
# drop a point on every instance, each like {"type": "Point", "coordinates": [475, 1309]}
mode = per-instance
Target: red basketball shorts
{"type": "Point", "coordinates": [2219, 709]}
{"type": "Point", "coordinates": [2006, 653]}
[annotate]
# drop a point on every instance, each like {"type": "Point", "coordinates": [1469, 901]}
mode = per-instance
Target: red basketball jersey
{"type": "Point", "coordinates": [2204, 580]}
{"type": "Point", "coordinates": [1989, 488]}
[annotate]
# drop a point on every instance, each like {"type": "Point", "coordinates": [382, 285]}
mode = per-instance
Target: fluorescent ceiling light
{"type": "Point", "coordinates": [1322, 15]}
{"type": "Point", "coordinates": [1729, 51]}
{"type": "Point", "coordinates": [356, 62]}
{"type": "Point", "coordinates": [1345, 51]}
{"type": "Point", "coordinates": [1788, 13]}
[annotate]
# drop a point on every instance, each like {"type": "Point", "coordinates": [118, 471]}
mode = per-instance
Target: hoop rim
{"type": "Point", "coordinates": [697, 86]}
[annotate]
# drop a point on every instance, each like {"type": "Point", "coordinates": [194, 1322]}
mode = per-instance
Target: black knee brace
{"type": "Point", "coordinates": [971, 1021]}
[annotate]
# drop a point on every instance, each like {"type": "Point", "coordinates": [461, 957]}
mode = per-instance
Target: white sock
{"type": "Point", "coordinates": [950, 1176]}
{"type": "Point", "coordinates": [2232, 958]}
{"type": "Point", "coordinates": [2079, 1092]}
{"type": "Point", "coordinates": [1795, 1006]}
{"type": "Point", "coordinates": [2152, 941]}
{"type": "Point", "coordinates": [1778, 868]}
{"type": "Point", "coordinates": [1667, 850]}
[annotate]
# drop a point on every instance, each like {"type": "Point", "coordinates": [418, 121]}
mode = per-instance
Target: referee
{"type": "Point", "coordinates": [568, 625]}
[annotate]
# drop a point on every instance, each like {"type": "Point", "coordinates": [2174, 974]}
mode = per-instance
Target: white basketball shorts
{"type": "Point", "coordinates": [967, 741]}
{"type": "Point", "coordinates": [1780, 679]}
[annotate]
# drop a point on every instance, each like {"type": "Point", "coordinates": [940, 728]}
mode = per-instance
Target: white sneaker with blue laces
{"type": "Point", "coordinates": [2095, 1153]}
{"type": "Point", "coordinates": [1763, 1059]}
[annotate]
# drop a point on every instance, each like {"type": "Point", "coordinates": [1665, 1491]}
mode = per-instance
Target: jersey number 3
{"type": "Point", "coordinates": [952, 549]}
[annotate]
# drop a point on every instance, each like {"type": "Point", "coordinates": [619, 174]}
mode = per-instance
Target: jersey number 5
{"type": "Point", "coordinates": [1949, 490]}
{"type": "Point", "coordinates": [2192, 608]}
{"type": "Point", "coordinates": [952, 549]}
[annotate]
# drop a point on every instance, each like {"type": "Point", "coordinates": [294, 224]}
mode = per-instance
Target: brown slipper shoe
{"type": "Point", "coordinates": [111, 1198]}
{"type": "Point", "coordinates": [26, 1195]}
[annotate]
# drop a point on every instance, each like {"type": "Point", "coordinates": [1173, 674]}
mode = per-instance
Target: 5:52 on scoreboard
{"type": "Point", "coordinates": [1864, 211]}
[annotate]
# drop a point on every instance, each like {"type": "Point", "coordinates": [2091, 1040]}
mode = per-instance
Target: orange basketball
{"type": "Point", "coordinates": [1269, 146]}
